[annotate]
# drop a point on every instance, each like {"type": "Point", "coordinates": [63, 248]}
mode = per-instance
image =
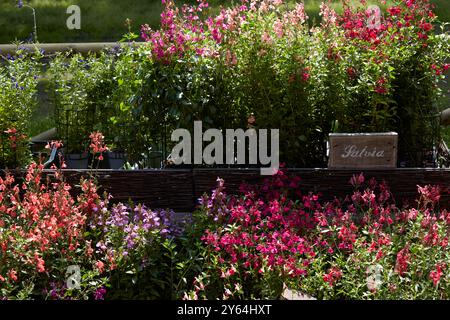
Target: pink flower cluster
{"type": "Point", "coordinates": [194, 31]}
{"type": "Point", "coordinates": [276, 229]}
{"type": "Point", "coordinates": [266, 236]}
{"type": "Point", "coordinates": [178, 32]}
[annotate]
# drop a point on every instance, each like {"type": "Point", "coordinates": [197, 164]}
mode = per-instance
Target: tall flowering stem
{"type": "Point", "coordinates": [21, 5]}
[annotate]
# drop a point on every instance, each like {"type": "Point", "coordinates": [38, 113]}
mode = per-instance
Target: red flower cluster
{"type": "Point", "coordinates": [15, 137]}
{"type": "Point", "coordinates": [436, 275]}
{"type": "Point", "coordinates": [98, 145]}
{"type": "Point", "coordinates": [333, 275]}
{"type": "Point", "coordinates": [429, 195]}
{"type": "Point", "coordinates": [38, 221]}
{"type": "Point", "coordinates": [380, 86]}
{"type": "Point", "coordinates": [403, 259]}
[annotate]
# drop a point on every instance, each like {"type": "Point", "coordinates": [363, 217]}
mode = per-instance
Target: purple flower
{"type": "Point", "coordinates": [99, 294]}
{"type": "Point", "coordinates": [130, 227]}
{"type": "Point", "coordinates": [149, 219]}
{"type": "Point", "coordinates": [169, 226]}
{"type": "Point", "coordinates": [131, 235]}
{"type": "Point", "coordinates": [119, 216]}
{"type": "Point", "coordinates": [20, 4]}
{"type": "Point", "coordinates": [54, 294]}
{"type": "Point", "coordinates": [101, 245]}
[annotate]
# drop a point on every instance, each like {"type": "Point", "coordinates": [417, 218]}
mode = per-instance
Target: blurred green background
{"type": "Point", "coordinates": [104, 20]}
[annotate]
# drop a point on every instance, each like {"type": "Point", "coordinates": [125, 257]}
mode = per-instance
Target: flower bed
{"type": "Point", "coordinates": [249, 245]}
{"type": "Point", "coordinates": [364, 247]}
{"type": "Point", "coordinates": [345, 74]}
{"type": "Point", "coordinates": [44, 232]}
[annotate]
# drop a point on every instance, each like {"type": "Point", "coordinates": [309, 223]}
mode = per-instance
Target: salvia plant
{"type": "Point", "coordinates": [272, 236]}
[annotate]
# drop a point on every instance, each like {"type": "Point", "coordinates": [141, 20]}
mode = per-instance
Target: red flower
{"type": "Point", "coordinates": [379, 254]}
{"type": "Point", "coordinates": [12, 275]}
{"type": "Point", "coordinates": [54, 144]}
{"type": "Point", "coordinates": [351, 72]}
{"type": "Point", "coordinates": [380, 86]}
{"type": "Point", "coordinates": [422, 36]}
{"type": "Point", "coordinates": [97, 144]}
{"type": "Point", "coordinates": [357, 180]}
{"type": "Point", "coordinates": [403, 259]}
{"type": "Point", "coordinates": [333, 275]}
{"type": "Point", "coordinates": [394, 11]}
{"type": "Point", "coordinates": [410, 3]}
{"type": "Point", "coordinates": [437, 70]}
{"type": "Point", "coordinates": [100, 266]}
{"type": "Point", "coordinates": [435, 275]}
{"type": "Point", "coordinates": [40, 263]}
{"type": "Point", "coordinates": [426, 26]}
{"type": "Point", "coordinates": [306, 74]}
{"type": "Point", "coordinates": [430, 194]}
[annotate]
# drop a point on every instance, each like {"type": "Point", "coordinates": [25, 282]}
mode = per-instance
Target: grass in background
{"type": "Point", "coordinates": [101, 20]}
{"type": "Point", "coordinates": [312, 7]}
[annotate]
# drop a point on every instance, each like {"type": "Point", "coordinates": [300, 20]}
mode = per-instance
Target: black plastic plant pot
{"type": "Point", "coordinates": [76, 161]}
{"type": "Point", "coordinates": [116, 159]}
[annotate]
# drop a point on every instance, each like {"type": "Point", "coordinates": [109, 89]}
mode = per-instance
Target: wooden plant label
{"type": "Point", "coordinates": [363, 150]}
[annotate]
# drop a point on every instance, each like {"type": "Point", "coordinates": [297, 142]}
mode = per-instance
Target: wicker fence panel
{"type": "Point", "coordinates": [336, 183]}
{"type": "Point", "coordinates": [180, 189]}
{"type": "Point", "coordinates": [156, 188]}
